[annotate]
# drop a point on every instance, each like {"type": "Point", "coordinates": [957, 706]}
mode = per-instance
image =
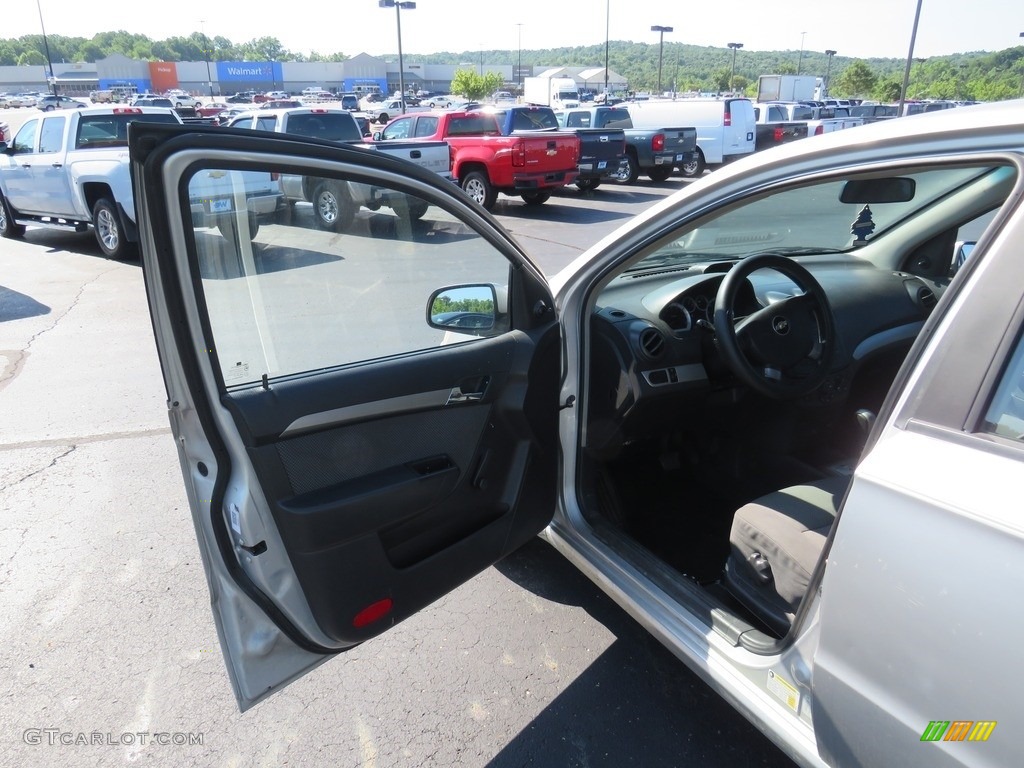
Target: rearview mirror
{"type": "Point", "coordinates": [894, 190]}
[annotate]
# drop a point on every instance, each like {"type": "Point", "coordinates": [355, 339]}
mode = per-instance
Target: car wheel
{"type": "Point", "coordinates": [695, 167]}
{"type": "Point", "coordinates": [332, 207]}
{"type": "Point", "coordinates": [660, 173]}
{"type": "Point", "coordinates": [628, 172]}
{"type": "Point", "coordinates": [8, 227]}
{"type": "Point", "coordinates": [417, 210]}
{"type": "Point", "coordinates": [382, 118]}
{"type": "Point", "coordinates": [536, 198]}
{"type": "Point", "coordinates": [588, 185]}
{"type": "Point", "coordinates": [478, 186]}
{"type": "Point", "coordinates": [48, 108]}
{"type": "Point", "coordinates": [106, 224]}
{"type": "Point", "coordinates": [227, 228]}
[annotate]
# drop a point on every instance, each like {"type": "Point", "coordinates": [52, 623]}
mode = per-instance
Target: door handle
{"type": "Point", "coordinates": [57, 165]}
{"type": "Point", "coordinates": [469, 391]}
{"type": "Point", "coordinates": [415, 154]}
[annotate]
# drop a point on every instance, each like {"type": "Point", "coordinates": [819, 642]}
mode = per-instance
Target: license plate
{"type": "Point", "coordinates": [220, 206]}
{"type": "Point", "coordinates": [679, 158]}
{"type": "Point", "coordinates": [602, 165]}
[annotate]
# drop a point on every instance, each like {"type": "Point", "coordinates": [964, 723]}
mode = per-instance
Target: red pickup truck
{"type": "Point", "coordinates": [485, 163]}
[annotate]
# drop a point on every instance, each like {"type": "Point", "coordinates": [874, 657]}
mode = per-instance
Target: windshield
{"type": "Point", "coordinates": [814, 219]}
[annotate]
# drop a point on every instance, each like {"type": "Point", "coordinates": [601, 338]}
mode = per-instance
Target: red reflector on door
{"type": "Point", "coordinates": [373, 612]}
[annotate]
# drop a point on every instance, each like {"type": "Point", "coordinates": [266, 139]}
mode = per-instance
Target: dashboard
{"type": "Point", "coordinates": [655, 355]}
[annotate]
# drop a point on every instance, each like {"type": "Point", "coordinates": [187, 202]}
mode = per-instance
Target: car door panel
{"type": "Point", "coordinates": [336, 493]}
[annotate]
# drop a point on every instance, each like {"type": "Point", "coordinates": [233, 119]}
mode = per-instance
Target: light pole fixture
{"type": "Point", "coordinates": [1022, 77]}
{"type": "Point", "coordinates": [519, 64]}
{"type": "Point", "coordinates": [828, 70]}
{"type": "Point", "coordinates": [732, 73]}
{"type": "Point", "coordinates": [206, 55]}
{"type": "Point", "coordinates": [661, 47]}
{"type": "Point", "coordinates": [910, 60]}
{"type": "Point", "coordinates": [399, 5]}
{"type": "Point", "coordinates": [800, 61]}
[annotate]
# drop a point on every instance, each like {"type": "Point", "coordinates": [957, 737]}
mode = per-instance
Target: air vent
{"type": "Point", "coordinates": [652, 343]}
{"type": "Point", "coordinates": [927, 298]}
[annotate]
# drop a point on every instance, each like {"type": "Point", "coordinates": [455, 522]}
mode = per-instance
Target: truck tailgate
{"type": "Point", "coordinates": [429, 155]}
{"type": "Point", "coordinates": [546, 152]}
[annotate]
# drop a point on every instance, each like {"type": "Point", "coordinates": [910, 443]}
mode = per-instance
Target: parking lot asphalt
{"type": "Point", "coordinates": [110, 644]}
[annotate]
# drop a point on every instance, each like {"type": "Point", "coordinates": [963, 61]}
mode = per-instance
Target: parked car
{"type": "Point", "coordinates": [790, 450]}
{"type": "Point", "coordinates": [50, 103]}
{"type": "Point", "coordinates": [212, 108]}
{"type": "Point", "coordinates": [153, 101]}
{"type": "Point", "coordinates": [5, 131]}
{"type": "Point", "coordinates": [183, 99]}
{"type": "Point", "coordinates": [281, 104]}
{"type": "Point", "coordinates": [439, 101]}
{"type": "Point", "coordinates": [242, 97]}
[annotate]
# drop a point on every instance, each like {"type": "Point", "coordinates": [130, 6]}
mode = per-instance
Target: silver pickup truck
{"type": "Point", "coordinates": [335, 203]}
{"type": "Point", "coordinates": [69, 169]}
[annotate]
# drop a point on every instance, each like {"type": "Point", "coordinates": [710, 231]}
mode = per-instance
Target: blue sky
{"type": "Point", "coordinates": [860, 29]}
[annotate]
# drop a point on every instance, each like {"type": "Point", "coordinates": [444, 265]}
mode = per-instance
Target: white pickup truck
{"type": "Point", "coordinates": [335, 203]}
{"type": "Point", "coordinates": [819, 120]}
{"type": "Point", "coordinates": [69, 169]}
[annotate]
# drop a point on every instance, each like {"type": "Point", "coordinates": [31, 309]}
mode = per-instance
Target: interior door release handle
{"type": "Point", "coordinates": [458, 396]}
{"type": "Point", "coordinates": [469, 391]}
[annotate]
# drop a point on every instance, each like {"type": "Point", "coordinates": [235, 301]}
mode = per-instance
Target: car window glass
{"type": "Point", "coordinates": [399, 129]}
{"type": "Point", "coordinates": [426, 126]}
{"type": "Point", "coordinates": [1005, 414]}
{"type": "Point", "coordinates": [25, 141]}
{"type": "Point", "coordinates": [307, 287]}
{"type": "Point", "coordinates": [51, 138]}
{"type": "Point", "coordinates": [813, 218]}
{"type": "Point", "coordinates": [266, 123]}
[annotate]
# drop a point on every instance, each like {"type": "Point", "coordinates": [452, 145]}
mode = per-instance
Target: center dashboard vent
{"type": "Point", "coordinates": [652, 343]}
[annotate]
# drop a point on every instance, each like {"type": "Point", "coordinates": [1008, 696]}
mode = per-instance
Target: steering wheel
{"type": "Point", "coordinates": [785, 349]}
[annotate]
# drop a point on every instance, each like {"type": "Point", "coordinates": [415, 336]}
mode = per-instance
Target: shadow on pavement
{"type": "Point", "coordinates": [636, 705]}
{"type": "Point", "coordinates": [15, 306]}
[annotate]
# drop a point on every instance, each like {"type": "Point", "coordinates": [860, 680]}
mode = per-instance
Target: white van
{"type": "Point", "coordinates": [725, 127]}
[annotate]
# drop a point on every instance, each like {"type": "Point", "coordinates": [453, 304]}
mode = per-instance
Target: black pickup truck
{"type": "Point", "coordinates": [778, 125]}
{"type": "Point", "coordinates": [602, 149]}
{"type": "Point", "coordinates": [653, 151]}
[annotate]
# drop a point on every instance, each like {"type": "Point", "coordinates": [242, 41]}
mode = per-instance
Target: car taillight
{"type": "Point", "coordinates": [779, 133]}
{"type": "Point", "coordinates": [127, 111]}
{"type": "Point", "coordinates": [519, 154]}
{"type": "Point", "coordinates": [819, 130]}
{"type": "Point", "coordinates": [451, 157]}
{"type": "Point", "coordinates": [658, 142]}
{"type": "Point", "coordinates": [274, 176]}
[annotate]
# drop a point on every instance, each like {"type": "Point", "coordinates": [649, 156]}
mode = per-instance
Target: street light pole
{"type": "Point", "coordinates": [607, 30]}
{"type": "Point", "coordinates": [910, 59]}
{"type": "Point", "coordinates": [206, 55]}
{"type": "Point", "coordinates": [800, 61]}
{"type": "Point", "coordinates": [732, 73]}
{"type": "Point", "coordinates": [519, 64]}
{"type": "Point", "coordinates": [51, 80]}
{"type": "Point", "coordinates": [399, 5]}
{"type": "Point", "coordinates": [661, 47]}
{"type": "Point", "coordinates": [828, 71]}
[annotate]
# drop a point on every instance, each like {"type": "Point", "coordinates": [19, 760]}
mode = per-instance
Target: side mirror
{"type": "Point", "coordinates": [468, 309]}
{"type": "Point", "coordinates": [961, 253]}
{"type": "Point", "coordinates": [378, 136]}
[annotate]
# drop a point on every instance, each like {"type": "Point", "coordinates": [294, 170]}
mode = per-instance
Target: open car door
{"type": "Point", "coordinates": [364, 402]}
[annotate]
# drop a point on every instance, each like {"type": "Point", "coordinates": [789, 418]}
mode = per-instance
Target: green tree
{"type": "Point", "coordinates": [469, 84]}
{"type": "Point", "coordinates": [31, 57]}
{"type": "Point", "coordinates": [857, 80]}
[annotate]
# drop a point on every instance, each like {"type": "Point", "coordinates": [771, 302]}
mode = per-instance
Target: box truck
{"type": "Point", "coordinates": [554, 92]}
{"type": "Point", "coordinates": [786, 87]}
